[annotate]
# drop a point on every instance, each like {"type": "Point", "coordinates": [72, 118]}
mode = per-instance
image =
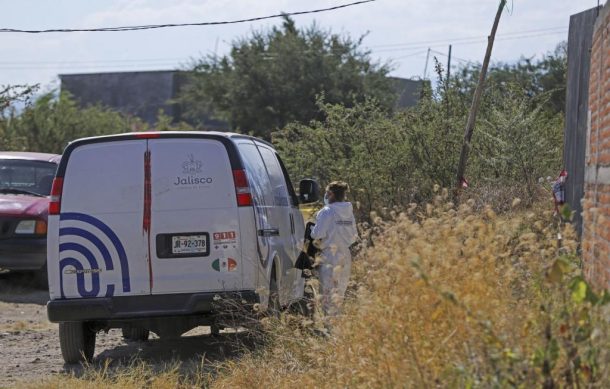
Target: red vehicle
{"type": "Point", "coordinates": [25, 186]}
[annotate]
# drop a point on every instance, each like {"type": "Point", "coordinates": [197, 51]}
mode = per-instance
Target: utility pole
{"type": "Point", "coordinates": [476, 99]}
{"type": "Point", "coordinates": [216, 51]}
{"type": "Point", "coordinates": [426, 66]}
{"type": "Point", "coordinates": [447, 85]}
{"type": "Point", "coordinates": [449, 64]}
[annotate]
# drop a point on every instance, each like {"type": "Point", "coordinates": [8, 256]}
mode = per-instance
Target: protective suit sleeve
{"type": "Point", "coordinates": [323, 222]}
{"type": "Point", "coordinates": [354, 232]}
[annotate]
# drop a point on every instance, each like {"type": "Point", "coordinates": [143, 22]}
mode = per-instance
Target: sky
{"type": "Point", "coordinates": [397, 31]}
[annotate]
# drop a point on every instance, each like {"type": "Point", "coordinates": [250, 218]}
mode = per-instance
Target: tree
{"type": "Point", "coordinates": [547, 75]}
{"type": "Point", "coordinates": [51, 122]}
{"type": "Point", "coordinates": [9, 96]}
{"type": "Point", "coordinates": [394, 158]}
{"type": "Point", "coordinates": [363, 145]}
{"type": "Point", "coordinates": [520, 140]}
{"type": "Point", "coordinates": [274, 77]}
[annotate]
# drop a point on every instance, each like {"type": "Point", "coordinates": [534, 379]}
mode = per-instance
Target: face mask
{"type": "Point", "coordinates": [325, 199]}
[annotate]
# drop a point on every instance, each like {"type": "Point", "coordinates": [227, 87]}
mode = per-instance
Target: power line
{"type": "Point", "coordinates": [459, 41]}
{"type": "Point", "coordinates": [452, 56]}
{"type": "Point", "coordinates": [547, 29]}
{"type": "Point", "coordinates": [411, 55]}
{"type": "Point", "coordinates": [172, 62]}
{"type": "Point", "coordinates": [415, 51]}
{"type": "Point", "coordinates": [168, 25]}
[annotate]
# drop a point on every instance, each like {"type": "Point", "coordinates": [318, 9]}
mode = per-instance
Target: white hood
{"type": "Point", "coordinates": [344, 209]}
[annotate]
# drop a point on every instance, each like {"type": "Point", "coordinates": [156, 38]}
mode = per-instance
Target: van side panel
{"type": "Point", "coordinates": [193, 195]}
{"type": "Point", "coordinates": [260, 188]}
{"type": "Point", "coordinates": [97, 247]}
{"type": "Point", "coordinates": [298, 236]}
{"type": "Point", "coordinates": [281, 211]}
{"type": "Point", "coordinates": [251, 263]}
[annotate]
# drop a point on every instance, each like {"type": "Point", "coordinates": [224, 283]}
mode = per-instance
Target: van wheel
{"type": "Point", "coordinates": [77, 341]}
{"type": "Point", "coordinates": [301, 307]}
{"type": "Point", "coordinates": [135, 334]}
{"type": "Point", "coordinates": [273, 307]}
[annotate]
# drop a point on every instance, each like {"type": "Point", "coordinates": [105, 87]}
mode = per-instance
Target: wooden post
{"type": "Point", "coordinates": [449, 64]}
{"type": "Point", "coordinates": [426, 66]}
{"type": "Point", "coordinates": [476, 99]}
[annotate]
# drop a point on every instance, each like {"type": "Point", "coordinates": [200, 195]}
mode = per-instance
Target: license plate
{"type": "Point", "coordinates": [189, 244]}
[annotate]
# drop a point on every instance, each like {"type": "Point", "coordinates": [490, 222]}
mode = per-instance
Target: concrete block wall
{"type": "Point", "coordinates": [596, 202]}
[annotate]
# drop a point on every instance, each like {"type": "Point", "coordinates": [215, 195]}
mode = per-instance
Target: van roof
{"type": "Point", "coordinates": [223, 137]}
{"type": "Point", "coordinates": [169, 134]}
{"type": "Point", "coordinates": [30, 156]}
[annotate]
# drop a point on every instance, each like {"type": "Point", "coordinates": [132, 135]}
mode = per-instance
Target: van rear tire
{"type": "Point", "coordinates": [135, 334]}
{"type": "Point", "coordinates": [273, 306]}
{"type": "Point", "coordinates": [77, 342]}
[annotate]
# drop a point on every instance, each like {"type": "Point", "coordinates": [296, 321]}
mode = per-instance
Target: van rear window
{"type": "Point", "coordinates": [280, 193]}
{"type": "Point", "coordinates": [255, 168]}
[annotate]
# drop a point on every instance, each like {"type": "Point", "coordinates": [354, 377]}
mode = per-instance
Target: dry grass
{"type": "Point", "coordinates": [24, 325]}
{"type": "Point", "coordinates": [134, 376]}
{"type": "Point", "coordinates": [443, 298]}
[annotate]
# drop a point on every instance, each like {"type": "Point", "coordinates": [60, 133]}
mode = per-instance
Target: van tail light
{"type": "Point", "coordinates": [56, 190]}
{"type": "Point", "coordinates": [242, 189]}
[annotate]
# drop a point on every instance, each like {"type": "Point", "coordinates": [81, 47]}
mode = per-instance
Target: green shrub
{"type": "Point", "coordinates": [392, 159]}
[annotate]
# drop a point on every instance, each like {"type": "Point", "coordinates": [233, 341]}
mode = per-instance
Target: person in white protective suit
{"type": "Point", "coordinates": [335, 230]}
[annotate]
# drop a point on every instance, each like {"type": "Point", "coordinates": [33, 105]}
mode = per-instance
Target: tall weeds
{"type": "Point", "coordinates": [450, 298]}
{"type": "Point", "coordinates": [441, 297]}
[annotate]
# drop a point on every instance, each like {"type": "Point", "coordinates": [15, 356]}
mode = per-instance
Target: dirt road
{"type": "Point", "coordinates": [29, 343]}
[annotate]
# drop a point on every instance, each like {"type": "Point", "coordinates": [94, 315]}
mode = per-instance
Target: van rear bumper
{"type": "Point", "coordinates": [147, 306]}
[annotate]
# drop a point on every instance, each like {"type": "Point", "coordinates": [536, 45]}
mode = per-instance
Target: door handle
{"type": "Point", "coordinates": [292, 229]}
{"type": "Point", "coordinates": [269, 232]}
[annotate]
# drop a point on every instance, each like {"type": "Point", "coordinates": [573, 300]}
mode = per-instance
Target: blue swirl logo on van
{"type": "Point", "coordinates": [90, 232]}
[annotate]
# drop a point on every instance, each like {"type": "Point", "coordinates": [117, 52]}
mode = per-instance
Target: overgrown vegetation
{"type": "Point", "coordinates": [391, 159]}
{"type": "Point", "coordinates": [50, 122]}
{"type": "Point", "coordinates": [273, 78]}
{"type": "Point", "coordinates": [444, 297]}
{"type": "Point", "coordinates": [453, 298]}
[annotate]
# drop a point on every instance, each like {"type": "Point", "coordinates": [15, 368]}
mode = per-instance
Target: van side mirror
{"type": "Point", "coordinates": [309, 191]}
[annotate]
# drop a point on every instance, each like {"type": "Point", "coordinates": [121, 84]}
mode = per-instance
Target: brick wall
{"type": "Point", "coordinates": [596, 203]}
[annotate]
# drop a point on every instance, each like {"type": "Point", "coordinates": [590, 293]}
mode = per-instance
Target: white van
{"type": "Point", "coordinates": [164, 231]}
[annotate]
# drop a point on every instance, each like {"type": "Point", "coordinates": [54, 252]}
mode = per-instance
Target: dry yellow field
{"type": "Point", "coordinates": [440, 297]}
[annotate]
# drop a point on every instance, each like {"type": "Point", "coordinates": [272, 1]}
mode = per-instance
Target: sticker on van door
{"type": "Point", "coordinates": [225, 237]}
{"type": "Point", "coordinates": [225, 240]}
{"type": "Point", "coordinates": [100, 258]}
{"type": "Point", "coordinates": [224, 265]}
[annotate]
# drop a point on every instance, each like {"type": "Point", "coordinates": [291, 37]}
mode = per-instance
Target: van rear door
{"type": "Point", "coordinates": [97, 246]}
{"type": "Point", "coordinates": [194, 221]}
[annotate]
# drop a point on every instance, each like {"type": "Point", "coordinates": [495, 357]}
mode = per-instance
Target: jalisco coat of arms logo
{"type": "Point", "coordinates": [191, 165]}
